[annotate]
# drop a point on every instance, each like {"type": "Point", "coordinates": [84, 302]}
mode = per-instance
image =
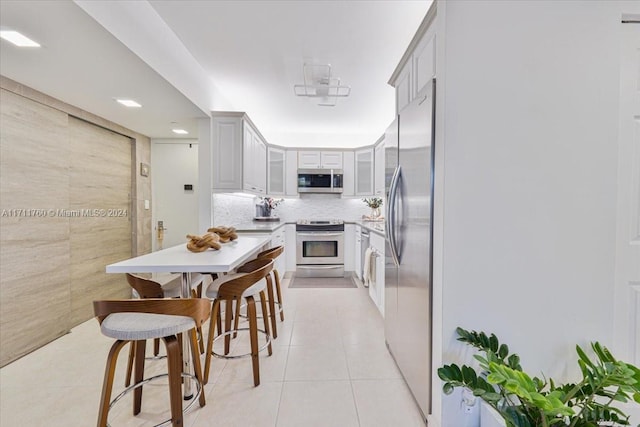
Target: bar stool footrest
{"type": "Point", "coordinates": [193, 399]}
{"type": "Point", "coordinates": [240, 356]}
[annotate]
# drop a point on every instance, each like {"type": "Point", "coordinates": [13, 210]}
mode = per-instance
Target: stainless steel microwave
{"type": "Point", "coordinates": [319, 180]}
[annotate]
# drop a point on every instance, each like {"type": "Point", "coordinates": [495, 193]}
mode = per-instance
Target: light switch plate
{"type": "Point", "coordinates": [146, 204]}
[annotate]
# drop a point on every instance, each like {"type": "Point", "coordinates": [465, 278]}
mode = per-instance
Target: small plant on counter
{"type": "Point", "coordinates": [373, 203]}
{"type": "Point", "coordinates": [270, 203]}
{"type": "Point", "coordinates": [524, 401]}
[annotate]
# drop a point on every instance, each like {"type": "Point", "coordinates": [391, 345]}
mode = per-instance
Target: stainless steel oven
{"type": "Point", "coordinates": [320, 248]}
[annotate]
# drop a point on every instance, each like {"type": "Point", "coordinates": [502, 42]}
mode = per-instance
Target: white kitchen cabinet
{"type": "Point", "coordinates": [403, 88]}
{"type": "Point", "coordinates": [276, 171]}
{"type": "Point", "coordinates": [376, 289]}
{"type": "Point", "coordinates": [348, 174]}
{"type": "Point", "coordinates": [331, 159]}
{"type": "Point", "coordinates": [320, 159]}
{"type": "Point", "coordinates": [349, 247]}
{"type": "Point", "coordinates": [308, 159]}
{"type": "Point", "coordinates": [416, 69]}
{"type": "Point", "coordinates": [424, 63]}
{"type": "Point", "coordinates": [254, 161]}
{"type": "Point", "coordinates": [238, 155]}
{"type": "Point", "coordinates": [364, 172]}
{"type": "Point", "coordinates": [358, 251]}
{"type": "Point", "coordinates": [290, 247]}
{"type": "Point", "coordinates": [291, 174]}
{"type": "Point", "coordinates": [278, 239]}
{"type": "Point", "coordinates": [378, 167]}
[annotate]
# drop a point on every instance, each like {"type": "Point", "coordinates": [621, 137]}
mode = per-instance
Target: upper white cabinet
{"type": "Point", "coordinates": [331, 159]}
{"type": "Point", "coordinates": [319, 159]}
{"type": "Point", "coordinates": [276, 170]}
{"type": "Point", "coordinates": [291, 174]}
{"type": "Point", "coordinates": [239, 155]}
{"type": "Point", "coordinates": [378, 162]}
{"type": "Point", "coordinates": [416, 69]}
{"type": "Point", "coordinates": [348, 174]}
{"type": "Point", "coordinates": [403, 89]}
{"type": "Point", "coordinates": [364, 172]}
{"type": "Point", "coordinates": [254, 160]}
{"type": "Point", "coordinates": [424, 63]}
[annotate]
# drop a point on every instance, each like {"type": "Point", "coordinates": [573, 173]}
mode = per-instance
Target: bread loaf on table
{"type": "Point", "coordinates": [204, 242]}
{"type": "Point", "coordinates": [226, 234]}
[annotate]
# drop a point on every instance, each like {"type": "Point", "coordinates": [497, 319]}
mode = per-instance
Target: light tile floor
{"type": "Point", "coordinates": [330, 368]}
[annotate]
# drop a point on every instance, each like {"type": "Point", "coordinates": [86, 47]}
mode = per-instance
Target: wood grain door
{"type": "Point", "coordinates": [99, 188]}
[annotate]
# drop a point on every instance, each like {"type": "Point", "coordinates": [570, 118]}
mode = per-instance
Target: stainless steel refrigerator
{"type": "Point", "coordinates": [409, 165]}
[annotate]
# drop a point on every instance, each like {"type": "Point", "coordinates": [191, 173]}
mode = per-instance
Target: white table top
{"type": "Point", "coordinates": [178, 259]}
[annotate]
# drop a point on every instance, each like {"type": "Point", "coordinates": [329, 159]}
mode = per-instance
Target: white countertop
{"type": "Point", "coordinates": [374, 226]}
{"type": "Point", "coordinates": [178, 259]}
{"type": "Point", "coordinates": [259, 226]}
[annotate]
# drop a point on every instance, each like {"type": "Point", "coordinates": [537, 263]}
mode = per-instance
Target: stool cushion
{"type": "Point", "coordinates": [212, 290]}
{"type": "Point", "coordinates": [142, 326]}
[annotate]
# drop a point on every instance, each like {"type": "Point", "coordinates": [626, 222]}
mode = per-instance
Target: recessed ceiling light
{"type": "Point", "coordinates": [18, 39]}
{"type": "Point", "coordinates": [180, 131]}
{"type": "Point", "coordinates": [129, 103]}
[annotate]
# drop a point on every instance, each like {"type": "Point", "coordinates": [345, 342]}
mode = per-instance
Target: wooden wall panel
{"type": "Point", "coordinates": [99, 183]}
{"type": "Point", "coordinates": [34, 243]}
{"type": "Point", "coordinates": [54, 169]}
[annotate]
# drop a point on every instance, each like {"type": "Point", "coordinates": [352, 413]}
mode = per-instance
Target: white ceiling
{"type": "Point", "coordinates": [253, 52]}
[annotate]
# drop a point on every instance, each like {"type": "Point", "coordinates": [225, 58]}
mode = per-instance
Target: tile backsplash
{"type": "Point", "coordinates": [231, 209]}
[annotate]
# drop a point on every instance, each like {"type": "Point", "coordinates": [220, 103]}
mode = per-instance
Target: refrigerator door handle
{"type": "Point", "coordinates": [391, 214]}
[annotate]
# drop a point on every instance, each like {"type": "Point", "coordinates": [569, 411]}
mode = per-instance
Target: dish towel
{"type": "Point", "coordinates": [367, 278]}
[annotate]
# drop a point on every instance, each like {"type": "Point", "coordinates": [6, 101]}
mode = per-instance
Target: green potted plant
{"type": "Point", "coordinates": [525, 401]}
{"type": "Point", "coordinates": [374, 203]}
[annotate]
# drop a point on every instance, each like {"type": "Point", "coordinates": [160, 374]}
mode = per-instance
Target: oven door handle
{"type": "Point", "coordinates": [319, 233]}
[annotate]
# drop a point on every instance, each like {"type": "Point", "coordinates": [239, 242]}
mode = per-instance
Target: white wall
{"type": "Point", "coordinates": [530, 92]}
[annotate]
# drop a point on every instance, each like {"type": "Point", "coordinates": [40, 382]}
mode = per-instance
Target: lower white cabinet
{"type": "Point", "coordinates": [290, 246]}
{"type": "Point", "coordinates": [358, 251]}
{"type": "Point", "coordinates": [349, 247]}
{"type": "Point", "coordinates": [376, 289]}
{"type": "Point", "coordinates": [277, 239]}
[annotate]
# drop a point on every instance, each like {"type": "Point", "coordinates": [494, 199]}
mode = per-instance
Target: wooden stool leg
{"type": "Point", "coordinates": [215, 316]}
{"type": "Point", "coordinates": [276, 275]}
{"type": "Point", "coordinates": [197, 367]}
{"type": "Point", "coordinates": [272, 307]}
{"type": "Point", "coordinates": [141, 347]}
{"type": "Point", "coordinates": [263, 303]}
{"type": "Point", "coordinates": [174, 364]}
{"type": "Point", "coordinates": [107, 384]}
{"type": "Point", "coordinates": [253, 333]}
{"type": "Point", "coordinates": [197, 293]}
{"type": "Point", "coordinates": [156, 347]}
{"type": "Point", "coordinates": [132, 353]}
{"type": "Point", "coordinates": [228, 315]}
{"type": "Point", "coordinates": [236, 319]}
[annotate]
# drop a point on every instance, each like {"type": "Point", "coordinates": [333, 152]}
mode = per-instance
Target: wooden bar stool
{"type": "Point", "coordinates": [161, 286]}
{"type": "Point", "coordinates": [273, 300]}
{"type": "Point", "coordinates": [274, 253]}
{"type": "Point", "coordinates": [247, 283]}
{"type": "Point", "coordinates": [139, 320]}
